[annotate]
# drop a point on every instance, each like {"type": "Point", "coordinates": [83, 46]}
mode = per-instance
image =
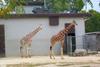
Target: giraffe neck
{"type": "Point", "coordinates": [69, 28]}
{"type": "Point", "coordinates": [33, 33]}
{"type": "Point", "coordinates": [62, 33]}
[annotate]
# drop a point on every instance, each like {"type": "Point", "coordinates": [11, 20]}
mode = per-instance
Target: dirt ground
{"type": "Point", "coordinates": [45, 61]}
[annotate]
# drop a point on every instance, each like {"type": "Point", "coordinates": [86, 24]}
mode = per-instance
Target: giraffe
{"type": "Point", "coordinates": [59, 37]}
{"type": "Point", "coordinates": [25, 47]}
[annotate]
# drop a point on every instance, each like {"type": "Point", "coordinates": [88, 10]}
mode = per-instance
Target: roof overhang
{"type": "Point", "coordinates": [93, 33]}
{"type": "Point", "coordinates": [67, 15]}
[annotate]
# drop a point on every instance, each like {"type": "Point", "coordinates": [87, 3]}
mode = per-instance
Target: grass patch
{"type": "Point", "coordinates": [85, 66]}
{"type": "Point", "coordinates": [28, 65]}
{"type": "Point", "coordinates": [67, 64]}
{"type": "Point", "coordinates": [20, 65]}
{"type": "Point", "coordinates": [59, 64]}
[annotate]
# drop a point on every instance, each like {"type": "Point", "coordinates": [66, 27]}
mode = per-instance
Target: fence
{"type": "Point", "coordinates": [91, 42]}
{"type": "Point", "coordinates": [88, 42]}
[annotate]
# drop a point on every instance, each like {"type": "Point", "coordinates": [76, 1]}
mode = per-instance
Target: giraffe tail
{"type": "Point", "coordinates": [50, 52]}
{"type": "Point", "coordinates": [50, 47]}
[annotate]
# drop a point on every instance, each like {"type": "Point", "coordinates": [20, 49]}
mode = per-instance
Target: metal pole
{"type": "Point", "coordinates": [45, 6]}
{"type": "Point", "coordinates": [71, 44]}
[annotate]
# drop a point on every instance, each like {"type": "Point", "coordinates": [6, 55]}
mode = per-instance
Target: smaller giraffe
{"type": "Point", "coordinates": [25, 48]}
{"type": "Point", "coordinates": [60, 38]}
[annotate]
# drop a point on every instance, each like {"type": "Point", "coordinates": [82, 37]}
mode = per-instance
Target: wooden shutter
{"type": "Point", "coordinates": [2, 41]}
{"type": "Point", "coordinates": [53, 20]}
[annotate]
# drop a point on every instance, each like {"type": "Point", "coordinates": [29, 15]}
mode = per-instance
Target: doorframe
{"type": "Point", "coordinates": [69, 48]}
{"type": "Point", "coordinates": [3, 37]}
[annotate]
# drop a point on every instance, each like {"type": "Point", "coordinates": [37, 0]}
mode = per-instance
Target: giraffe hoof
{"type": "Point", "coordinates": [30, 56]}
{"type": "Point", "coordinates": [53, 57]}
{"type": "Point", "coordinates": [62, 58]}
{"type": "Point", "coordinates": [22, 56]}
{"type": "Point", "coordinates": [50, 57]}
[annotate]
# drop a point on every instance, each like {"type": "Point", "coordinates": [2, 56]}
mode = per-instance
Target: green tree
{"type": "Point", "coordinates": [72, 6]}
{"type": "Point", "coordinates": [9, 7]}
{"type": "Point", "coordinates": [75, 5]}
{"type": "Point", "coordinates": [57, 5]}
{"type": "Point", "coordinates": [93, 23]}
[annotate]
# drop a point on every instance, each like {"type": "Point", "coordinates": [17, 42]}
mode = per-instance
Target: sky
{"type": "Point", "coordinates": [95, 5]}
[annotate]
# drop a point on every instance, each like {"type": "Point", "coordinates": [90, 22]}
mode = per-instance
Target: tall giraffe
{"type": "Point", "coordinates": [59, 37]}
{"type": "Point", "coordinates": [25, 47]}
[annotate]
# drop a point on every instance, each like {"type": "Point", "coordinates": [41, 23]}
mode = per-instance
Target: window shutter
{"type": "Point", "coordinates": [53, 20]}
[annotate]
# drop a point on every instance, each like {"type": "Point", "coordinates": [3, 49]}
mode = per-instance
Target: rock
{"type": "Point", "coordinates": [80, 52]}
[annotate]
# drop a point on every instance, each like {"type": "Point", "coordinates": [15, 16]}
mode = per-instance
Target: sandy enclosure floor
{"type": "Point", "coordinates": [45, 61]}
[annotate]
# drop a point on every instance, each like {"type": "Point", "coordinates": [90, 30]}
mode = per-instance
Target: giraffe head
{"type": "Point", "coordinates": [74, 22]}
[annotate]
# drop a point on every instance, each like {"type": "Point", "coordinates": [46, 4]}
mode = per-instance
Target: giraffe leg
{"type": "Point", "coordinates": [21, 51]}
{"type": "Point", "coordinates": [62, 44]}
{"type": "Point", "coordinates": [29, 51]}
{"type": "Point", "coordinates": [62, 53]}
{"type": "Point", "coordinates": [51, 53]}
{"type": "Point", "coordinates": [25, 52]}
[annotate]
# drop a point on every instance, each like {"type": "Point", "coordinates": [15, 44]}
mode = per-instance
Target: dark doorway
{"type": "Point", "coordinates": [2, 41]}
{"type": "Point", "coordinates": [70, 42]}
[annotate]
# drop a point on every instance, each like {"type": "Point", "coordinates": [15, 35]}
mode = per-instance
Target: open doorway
{"type": "Point", "coordinates": [69, 42]}
{"type": "Point", "coordinates": [2, 41]}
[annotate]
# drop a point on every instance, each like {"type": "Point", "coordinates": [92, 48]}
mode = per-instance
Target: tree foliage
{"type": "Point", "coordinates": [72, 6]}
{"type": "Point", "coordinates": [93, 23]}
{"type": "Point", "coordinates": [57, 5]}
{"type": "Point", "coordinates": [9, 7]}
{"type": "Point", "coordinates": [75, 5]}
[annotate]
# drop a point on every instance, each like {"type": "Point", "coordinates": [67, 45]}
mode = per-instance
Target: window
{"type": "Point", "coordinates": [53, 20]}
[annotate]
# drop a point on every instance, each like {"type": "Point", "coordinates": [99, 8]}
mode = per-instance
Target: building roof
{"type": "Point", "coordinates": [92, 33]}
{"type": "Point", "coordinates": [68, 15]}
